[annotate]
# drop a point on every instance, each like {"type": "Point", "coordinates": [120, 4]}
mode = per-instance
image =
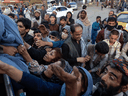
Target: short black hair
{"type": "Point", "coordinates": [15, 7]}
{"type": "Point", "coordinates": [36, 31]}
{"type": "Point", "coordinates": [112, 11]}
{"type": "Point", "coordinates": [21, 14]}
{"type": "Point", "coordinates": [26, 22]}
{"type": "Point", "coordinates": [63, 18]}
{"type": "Point", "coordinates": [102, 47]}
{"type": "Point", "coordinates": [12, 15]}
{"type": "Point", "coordinates": [112, 19]}
{"type": "Point", "coordinates": [55, 33]}
{"type": "Point", "coordinates": [98, 17]}
{"type": "Point", "coordinates": [119, 27]}
{"type": "Point", "coordinates": [84, 7]}
{"type": "Point", "coordinates": [114, 32]}
{"type": "Point", "coordinates": [73, 26]}
{"type": "Point", "coordinates": [83, 11]}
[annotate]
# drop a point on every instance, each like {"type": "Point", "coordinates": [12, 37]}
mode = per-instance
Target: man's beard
{"type": "Point", "coordinates": [103, 91]}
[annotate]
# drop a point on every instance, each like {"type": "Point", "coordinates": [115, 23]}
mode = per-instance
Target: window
{"type": "Point", "coordinates": [63, 9]}
{"type": "Point", "coordinates": [123, 18]}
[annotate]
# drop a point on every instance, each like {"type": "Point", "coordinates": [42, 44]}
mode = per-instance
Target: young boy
{"type": "Point", "coordinates": [114, 45]}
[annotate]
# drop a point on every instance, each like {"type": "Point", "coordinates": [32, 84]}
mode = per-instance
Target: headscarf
{"type": "Point", "coordinates": [85, 21]}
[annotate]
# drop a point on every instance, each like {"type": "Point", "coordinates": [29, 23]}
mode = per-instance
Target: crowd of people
{"type": "Point", "coordinates": [50, 56]}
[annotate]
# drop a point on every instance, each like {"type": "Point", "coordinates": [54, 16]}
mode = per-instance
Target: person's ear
{"type": "Point", "coordinates": [27, 30]}
{"type": "Point", "coordinates": [71, 33]}
{"type": "Point", "coordinates": [124, 88]}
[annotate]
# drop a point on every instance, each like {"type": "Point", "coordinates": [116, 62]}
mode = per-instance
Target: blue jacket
{"type": "Point", "coordinates": [38, 85]}
{"type": "Point", "coordinates": [95, 28]}
{"type": "Point", "coordinates": [58, 44]}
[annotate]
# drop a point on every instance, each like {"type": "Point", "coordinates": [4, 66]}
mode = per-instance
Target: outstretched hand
{"type": "Point", "coordinates": [2, 67]}
{"type": "Point", "coordinates": [64, 76]}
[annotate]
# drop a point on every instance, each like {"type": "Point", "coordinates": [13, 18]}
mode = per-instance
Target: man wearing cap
{"type": "Point", "coordinates": [37, 17]}
{"type": "Point", "coordinates": [114, 80]}
{"type": "Point", "coordinates": [43, 11]}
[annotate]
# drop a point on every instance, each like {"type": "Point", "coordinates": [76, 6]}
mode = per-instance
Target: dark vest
{"type": "Point", "coordinates": [72, 49]}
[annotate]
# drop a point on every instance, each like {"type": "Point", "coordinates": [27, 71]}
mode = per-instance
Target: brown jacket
{"type": "Point", "coordinates": [54, 27]}
{"type": "Point", "coordinates": [100, 37]}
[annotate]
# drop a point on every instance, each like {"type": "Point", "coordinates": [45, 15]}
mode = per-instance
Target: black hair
{"type": "Point", "coordinates": [15, 7]}
{"type": "Point", "coordinates": [21, 13]}
{"type": "Point", "coordinates": [63, 18]}
{"type": "Point", "coordinates": [73, 26]}
{"type": "Point", "coordinates": [112, 19]}
{"type": "Point", "coordinates": [56, 34]}
{"type": "Point", "coordinates": [98, 17]}
{"type": "Point", "coordinates": [43, 5]}
{"type": "Point", "coordinates": [114, 15]}
{"type": "Point", "coordinates": [83, 11]}
{"type": "Point", "coordinates": [12, 15]}
{"type": "Point", "coordinates": [26, 22]}
{"type": "Point", "coordinates": [119, 27]}
{"type": "Point", "coordinates": [84, 7]}
{"type": "Point", "coordinates": [102, 47]}
{"type": "Point", "coordinates": [70, 13]}
{"type": "Point", "coordinates": [112, 11]}
{"type": "Point", "coordinates": [114, 32]}
{"type": "Point", "coordinates": [36, 31]}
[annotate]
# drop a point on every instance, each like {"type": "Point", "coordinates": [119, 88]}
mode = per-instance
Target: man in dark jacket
{"type": "Point", "coordinates": [43, 11]}
{"type": "Point", "coordinates": [24, 26]}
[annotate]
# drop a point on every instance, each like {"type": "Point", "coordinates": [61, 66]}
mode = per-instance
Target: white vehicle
{"type": "Point", "coordinates": [50, 2]}
{"type": "Point", "coordinates": [73, 5]}
{"type": "Point", "coordinates": [61, 10]}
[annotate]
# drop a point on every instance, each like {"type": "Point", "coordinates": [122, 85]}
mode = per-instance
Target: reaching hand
{"type": "Point", "coordinates": [2, 67]}
{"type": "Point", "coordinates": [40, 43]}
{"type": "Point", "coordinates": [21, 49]}
{"type": "Point", "coordinates": [64, 76]}
{"type": "Point", "coordinates": [10, 50]}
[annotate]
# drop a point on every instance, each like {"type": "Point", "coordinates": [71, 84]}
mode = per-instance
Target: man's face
{"type": "Point", "coordinates": [52, 19]}
{"type": "Point", "coordinates": [46, 17]}
{"type": "Point", "coordinates": [42, 7]}
{"type": "Point", "coordinates": [21, 28]}
{"type": "Point", "coordinates": [112, 23]}
{"type": "Point", "coordinates": [62, 22]}
{"type": "Point", "coordinates": [77, 34]}
{"type": "Point", "coordinates": [98, 19]}
{"type": "Point", "coordinates": [37, 36]}
{"type": "Point", "coordinates": [65, 31]}
{"type": "Point", "coordinates": [37, 14]}
{"type": "Point", "coordinates": [110, 13]}
{"type": "Point", "coordinates": [110, 82]}
{"type": "Point", "coordinates": [113, 38]}
{"type": "Point", "coordinates": [83, 15]}
{"type": "Point", "coordinates": [53, 38]}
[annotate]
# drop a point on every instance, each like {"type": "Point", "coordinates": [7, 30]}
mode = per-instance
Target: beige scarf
{"type": "Point", "coordinates": [85, 21]}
